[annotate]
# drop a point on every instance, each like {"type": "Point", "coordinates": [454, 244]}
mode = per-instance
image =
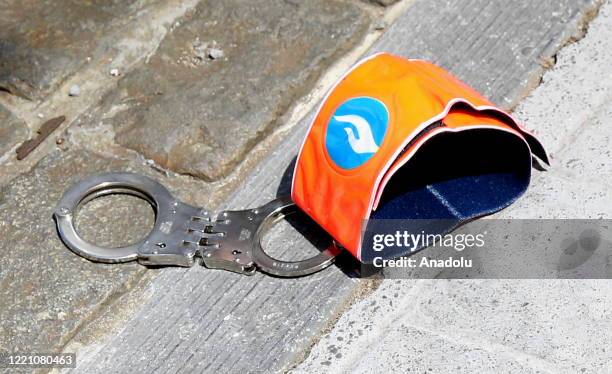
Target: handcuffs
{"type": "Point", "coordinates": [183, 233]}
{"type": "Point", "coordinates": [371, 123]}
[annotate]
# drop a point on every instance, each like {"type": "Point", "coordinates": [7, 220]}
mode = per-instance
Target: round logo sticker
{"type": "Point", "coordinates": [356, 131]}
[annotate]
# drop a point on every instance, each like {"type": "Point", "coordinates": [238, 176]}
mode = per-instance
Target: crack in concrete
{"type": "Point", "coordinates": [548, 63]}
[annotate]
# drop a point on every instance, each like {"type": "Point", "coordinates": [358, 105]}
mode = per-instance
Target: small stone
{"type": "Point", "coordinates": [215, 53]}
{"type": "Point", "coordinates": [114, 72]}
{"type": "Point", "coordinates": [199, 50]}
{"type": "Point", "coordinates": [380, 25]}
{"type": "Point", "coordinates": [384, 2]}
{"type": "Point", "coordinates": [74, 90]}
{"type": "Point", "coordinates": [40, 115]}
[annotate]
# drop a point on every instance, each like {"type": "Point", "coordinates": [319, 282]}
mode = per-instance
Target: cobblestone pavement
{"type": "Point", "coordinates": [196, 93]}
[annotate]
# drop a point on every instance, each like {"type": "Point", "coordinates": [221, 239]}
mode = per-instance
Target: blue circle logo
{"type": "Point", "coordinates": [355, 131]}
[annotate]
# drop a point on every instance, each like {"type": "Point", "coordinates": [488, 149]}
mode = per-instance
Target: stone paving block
{"type": "Point", "coordinates": [574, 92]}
{"type": "Point", "coordinates": [384, 333]}
{"type": "Point", "coordinates": [552, 195]}
{"type": "Point", "coordinates": [46, 291]}
{"type": "Point", "coordinates": [578, 185]}
{"type": "Point", "coordinates": [489, 326]}
{"type": "Point", "coordinates": [357, 332]}
{"type": "Point", "coordinates": [12, 130]}
{"type": "Point", "coordinates": [43, 42]}
{"type": "Point", "coordinates": [588, 157]}
{"type": "Point", "coordinates": [563, 322]}
{"type": "Point", "coordinates": [223, 79]}
{"type": "Point", "coordinates": [426, 352]}
{"type": "Point", "coordinates": [571, 109]}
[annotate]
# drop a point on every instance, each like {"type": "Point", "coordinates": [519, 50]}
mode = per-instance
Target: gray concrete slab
{"type": "Point", "coordinates": [546, 326]}
{"type": "Point", "coordinates": [200, 320]}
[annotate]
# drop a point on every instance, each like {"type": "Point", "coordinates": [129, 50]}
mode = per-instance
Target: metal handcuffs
{"type": "Point", "coordinates": [182, 233]}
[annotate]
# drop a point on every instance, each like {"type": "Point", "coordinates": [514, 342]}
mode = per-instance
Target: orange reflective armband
{"type": "Point", "coordinates": [399, 138]}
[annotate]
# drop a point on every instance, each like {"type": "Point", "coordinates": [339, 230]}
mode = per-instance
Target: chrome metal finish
{"type": "Point", "coordinates": [171, 241]}
{"type": "Point", "coordinates": [182, 233]}
{"type": "Point", "coordinates": [272, 213]}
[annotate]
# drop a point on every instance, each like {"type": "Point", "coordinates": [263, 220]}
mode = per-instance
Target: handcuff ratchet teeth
{"type": "Point", "coordinates": [182, 233]}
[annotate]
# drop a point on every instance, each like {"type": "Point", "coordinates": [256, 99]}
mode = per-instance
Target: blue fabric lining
{"type": "Point", "coordinates": [455, 177]}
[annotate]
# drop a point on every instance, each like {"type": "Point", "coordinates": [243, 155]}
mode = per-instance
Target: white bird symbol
{"type": "Point", "coordinates": [364, 143]}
